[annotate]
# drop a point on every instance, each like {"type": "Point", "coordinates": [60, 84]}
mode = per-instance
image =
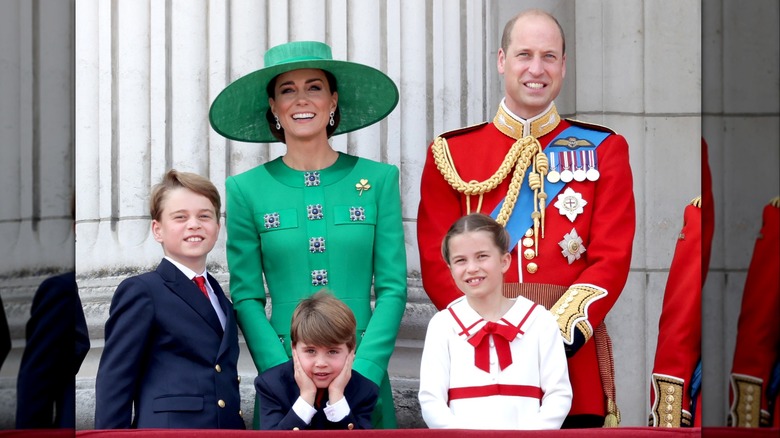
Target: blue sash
{"type": "Point", "coordinates": [520, 220]}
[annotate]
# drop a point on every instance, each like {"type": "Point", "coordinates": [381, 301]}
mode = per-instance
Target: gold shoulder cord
{"type": "Point", "coordinates": [524, 152]}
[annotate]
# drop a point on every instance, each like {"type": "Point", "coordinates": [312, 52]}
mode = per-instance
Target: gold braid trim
{"type": "Point", "coordinates": [571, 310]}
{"type": "Point", "coordinates": [746, 405]}
{"type": "Point", "coordinates": [668, 410]}
{"type": "Point", "coordinates": [520, 157]}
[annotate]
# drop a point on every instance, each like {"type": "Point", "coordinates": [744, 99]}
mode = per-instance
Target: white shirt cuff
{"type": "Point", "coordinates": [304, 410]}
{"type": "Point", "coordinates": [337, 411]}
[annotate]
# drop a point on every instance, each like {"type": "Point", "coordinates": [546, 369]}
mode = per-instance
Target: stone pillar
{"type": "Point", "coordinates": [740, 106]}
{"type": "Point", "coordinates": [36, 164]}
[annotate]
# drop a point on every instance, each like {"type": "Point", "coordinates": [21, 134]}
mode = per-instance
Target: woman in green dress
{"type": "Point", "coordinates": [314, 218]}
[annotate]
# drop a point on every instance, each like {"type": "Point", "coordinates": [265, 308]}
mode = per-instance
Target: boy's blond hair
{"type": "Point", "coordinates": [174, 179]}
{"type": "Point", "coordinates": [323, 320]}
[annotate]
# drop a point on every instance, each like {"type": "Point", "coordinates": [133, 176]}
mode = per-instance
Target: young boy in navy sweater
{"type": "Point", "coordinates": [317, 388]}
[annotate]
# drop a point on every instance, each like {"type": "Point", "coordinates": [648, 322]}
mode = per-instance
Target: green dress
{"type": "Point", "coordinates": [338, 229]}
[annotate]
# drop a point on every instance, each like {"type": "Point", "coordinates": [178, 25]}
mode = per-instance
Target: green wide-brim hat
{"type": "Point", "coordinates": [366, 95]}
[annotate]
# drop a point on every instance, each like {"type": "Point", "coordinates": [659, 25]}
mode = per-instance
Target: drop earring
{"type": "Point", "coordinates": [331, 122]}
{"type": "Point", "coordinates": [278, 126]}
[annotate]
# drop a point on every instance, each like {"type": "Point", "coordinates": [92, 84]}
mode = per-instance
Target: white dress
{"type": "Point", "coordinates": [533, 392]}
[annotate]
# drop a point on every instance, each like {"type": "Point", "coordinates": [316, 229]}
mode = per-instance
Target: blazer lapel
{"type": "Point", "coordinates": [188, 291]}
{"type": "Point", "coordinates": [227, 309]}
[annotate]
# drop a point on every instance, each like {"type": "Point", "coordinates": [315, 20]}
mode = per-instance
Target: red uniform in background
{"type": "Point", "coordinates": [678, 351]}
{"type": "Point", "coordinates": [754, 372]}
{"type": "Point", "coordinates": [580, 265]}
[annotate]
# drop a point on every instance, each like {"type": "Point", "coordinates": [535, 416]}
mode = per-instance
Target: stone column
{"type": "Point", "coordinates": [36, 164]}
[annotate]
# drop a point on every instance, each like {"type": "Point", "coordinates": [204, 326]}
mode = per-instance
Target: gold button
{"type": "Point", "coordinates": [669, 408]}
{"type": "Point", "coordinates": [669, 425]}
{"type": "Point", "coordinates": [532, 268]}
{"type": "Point", "coordinates": [669, 417]}
{"type": "Point", "coordinates": [748, 417]}
{"type": "Point", "coordinates": [221, 403]}
{"type": "Point", "coordinates": [529, 232]}
{"type": "Point", "coordinates": [295, 428]}
{"type": "Point", "coordinates": [350, 426]}
{"type": "Point", "coordinates": [670, 389]}
{"type": "Point", "coordinates": [240, 413]}
{"type": "Point", "coordinates": [528, 242]}
{"type": "Point", "coordinates": [239, 379]}
{"type": "Point", "coordinates": [749, 389]}
{"type": "Point", "coordinates": [529, 254]}
{"type": "Point", "coordinates": [218, 368]}
{"type": "Point", "coordinates": [560, 311]}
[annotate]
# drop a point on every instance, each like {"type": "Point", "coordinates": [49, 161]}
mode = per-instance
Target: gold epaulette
{"type": "Point", "coordinates": [775, 202]}
{"type": "Point", "coordinates": [459, 131]}
{"type": "Point", "coordinates": [590, 125]}
{"type": "Point", "coordinates": [696, 202]}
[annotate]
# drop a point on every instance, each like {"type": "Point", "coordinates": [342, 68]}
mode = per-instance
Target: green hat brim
{"type": "Point", "coordinates": [366, 96]}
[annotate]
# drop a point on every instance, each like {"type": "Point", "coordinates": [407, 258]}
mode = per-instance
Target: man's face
{"type": "Point", "coordinates": [533, 65]}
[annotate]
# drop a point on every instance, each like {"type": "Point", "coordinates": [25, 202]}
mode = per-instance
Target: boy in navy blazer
{"type": "Point", "coordinates": [171, 347]}
{"type": "Point", "coordinates": [317, 388]}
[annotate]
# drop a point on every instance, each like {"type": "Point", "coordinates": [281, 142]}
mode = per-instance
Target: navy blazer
{"type": "Point", "coordinates": [167, 357]}
{"type": "Point", "coordinates": [278, 391]}
{"type": "Point", "coordinates": [57, 337]}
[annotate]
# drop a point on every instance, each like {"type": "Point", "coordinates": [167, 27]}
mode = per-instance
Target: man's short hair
{"type": "Point", "coordinates": [322, 320]}
{"type": "Point", "coordinates": [506, 37]}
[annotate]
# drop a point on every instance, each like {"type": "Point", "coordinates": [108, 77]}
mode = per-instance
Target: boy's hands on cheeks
{"type": "Point", "coordinates": [336, 387]}
{"type": "Point", "coordinates": [305, 383]}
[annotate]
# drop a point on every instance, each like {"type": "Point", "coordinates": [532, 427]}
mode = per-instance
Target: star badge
{"type": "Point", "coordinates": [570, 204]}
{"type": "Point", "coordinates": [571, 246]}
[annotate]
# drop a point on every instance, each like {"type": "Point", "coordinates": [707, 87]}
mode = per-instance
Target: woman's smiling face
{"type": "Point", "coordinates": [303, 102]}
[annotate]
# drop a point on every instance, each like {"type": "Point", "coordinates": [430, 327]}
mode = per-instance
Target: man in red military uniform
{"type": "Point", "coordinates": [755, 372]}
{"type": "Point", "coordinates": [675, 389]}
{"type": "Point", "coordinates": [563, 190]}
{"type": "Point", "coordinates": [678, 351]}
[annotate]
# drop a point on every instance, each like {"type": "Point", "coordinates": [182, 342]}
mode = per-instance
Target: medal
{"type": "Point", "coordinates": [571, 246]}
{"type": "Point", "coordinates": [592, 174]}
{"type": "Point", "coordinates": [579, 173]}
{"type": "Point", "coordinates": [570, 204]}
{"type": "Point", "coordinates": [553, 176]}
{"type": "Point", "coordinates": [566, 174]}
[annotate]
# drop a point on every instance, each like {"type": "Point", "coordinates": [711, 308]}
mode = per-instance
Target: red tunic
{"type": "Point", "coordinates": [758, 337]}
{"type": "Point", "coordinates": [606, 227]}
{"type": "Point", "coordinates": [679, 329]}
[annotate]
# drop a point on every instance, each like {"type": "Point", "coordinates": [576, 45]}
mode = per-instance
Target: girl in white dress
{"type": "Point", "coordinates": [490, 362]}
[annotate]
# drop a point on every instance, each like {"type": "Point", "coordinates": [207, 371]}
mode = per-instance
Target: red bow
{"type": "Point", "coordinates": [481, 343]}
